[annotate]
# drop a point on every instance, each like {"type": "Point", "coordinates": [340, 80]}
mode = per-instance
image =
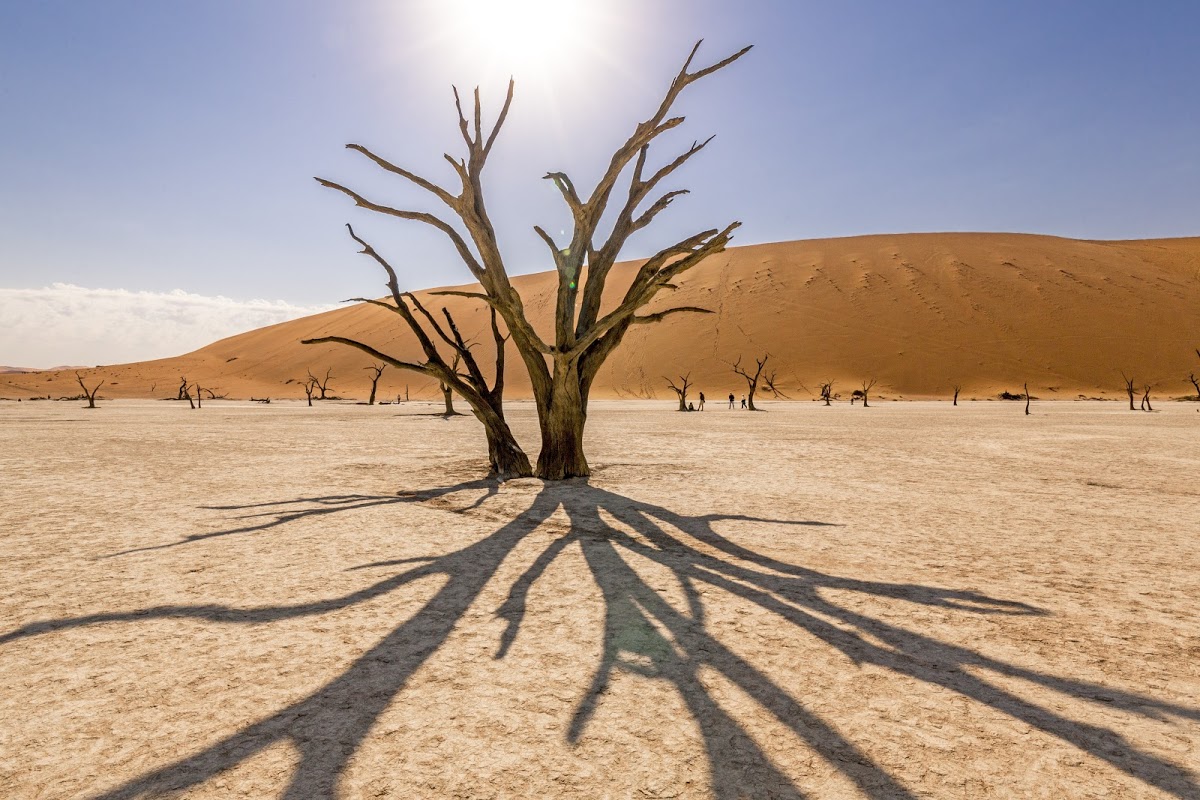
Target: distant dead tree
{"type": "Point", "coordinates": [199, 395]}
{"type": "Point", "coordinates": [1146, 400]}
{"type": "Point", "coordinates": [448, 391]}
{"type": "Point", "coordinates": [827, 392]}
{"type": "Point", "coordinates": [562, 368]}
{"type": "Point", "coordinates": [90, 394]}
{"type": "Point", "coordinates": [956, 394]}
{"type": "Point", "coordinates": [310, 386]}
{"type": "Point", "coordinates": [319, 384]}
{"type": "Point", "coordinates": [681, 390]}
{"type": "Point", "coordinates": [770, 382]}
{"type": "Point", "coordinates": [212, 394]}
{"type": "Point", "coordinates": [866, 388]}
{"type": "Point", "coordinates": [1027, 399]}
{"type": "Point", "coordinates": [376, 370]}
{"type": "Point", "coordinates": [1129, 390]}
{"type": "Point", "coordinates": [184, 390]}
{"type": "Point", "coordinates": [1194, 380]}
{"type": "Point", "coordinates": [751, 380]}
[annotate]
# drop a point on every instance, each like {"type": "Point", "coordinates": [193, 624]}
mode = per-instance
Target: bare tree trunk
{"type": "Point", "coordinates": [90, 394]}
{"type": "Point", "coordinates": [1195, 383]}
{"type": "Point", "coordinates": [448, 397]}
{"type": "Point", "coordinates": [1129, 390]}
{"type": "Point", "coordinates": [955, 395]}
{"type": "Point", "coordinates": [1027, 399]}
{"type": "Point", "coordinates": [866, 388]}
{"type": "Point", "coordinates": [562, 427]}
{"type": "Point", "coordinates": [1146, 400]}
{"type": "Point", "coordinates": [681, 390]}
{"type": "Point", "coordinates": [376, 370]}
{"type": "Point", "coordinates": [183, 389]}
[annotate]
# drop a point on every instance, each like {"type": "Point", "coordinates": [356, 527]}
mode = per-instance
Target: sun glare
{"type": "Point", "coordinates": [520, 35]}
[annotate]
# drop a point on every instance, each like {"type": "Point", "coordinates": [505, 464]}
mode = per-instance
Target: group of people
{"type": "Point", "coordinates": [700, 407]}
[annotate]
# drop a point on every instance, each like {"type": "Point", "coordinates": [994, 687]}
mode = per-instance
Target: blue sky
{"type": "Point", "coordinates": [167, 149]}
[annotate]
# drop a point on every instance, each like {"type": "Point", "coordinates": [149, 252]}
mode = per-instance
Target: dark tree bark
{"type": "Point", "coordinates": [866, 388]}
{"type": "Point", "coordinates": [771, 382]}
{"type": "Point", "coordinates": [323, 386]}
{"type": "Point", "coordinates": [448, 392]}
{"type": "Point", "coordinates": [1129, 390]}
{"type": "Point", "coordinates": [827, 392]}
{"type": "Point", "coordinates": [1027, 399]}
{"type": "Point", "coordinates": [681, 390]}
{"type": "Point", "coordinates": [956, 394]}
{"type": "Point", "coordinates": [1195, 383]}
{"type": "Point", "coordinates": [310, 385]}
{"type": "Point", "coordinates": [184, 390]}
{"type": "Point", "coordinates": [1146, 400]}
{"type": "Point", "coordinates": [562, 370]}
{"type": "Point", "coordinates": [376, 370]}
{"type": "Point", "coordinates": [751, 380]}
{"type": "Point", "coordinates": [90, 394]}
{"type": "Point", "coordinates": [506, 459]}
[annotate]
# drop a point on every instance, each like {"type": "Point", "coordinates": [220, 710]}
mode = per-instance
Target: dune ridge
{"type": "Point", "coordinates": [920, 313]}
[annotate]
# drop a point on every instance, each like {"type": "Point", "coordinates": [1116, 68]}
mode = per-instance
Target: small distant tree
{"type": "Point", "coordinates": [1129, 389]}
{"type": "Point", "coordinates": [90, 394]}
{"type": "Point", "coordinates": [199, 395]}
{"type": "Point", "coordinates": [376, 370]}
{"type": "Point", "coordinates": [1027, 399]}
{"type": "Point", "coordinates": [1146, 399]}
{"type": "Point", "coordinates": [751, 380]}
{"type": "Point", "coordinates": [956, 394]}
{"type": "Point", "coordinates": [323, 386]}
{"type": "Point", "coordinates": [1194, 380]}
{"type": "Point", "coordinates": [184, 390]}
{"type": "Point", "coordinates": [681, 390]}
{"type": "Point", "coordinates": [310, 385]}
{"type": "Point", "coordinates": [771, 382]}
{"type": "Point", "coordinates": [448, 390]}
{"type": "Point", "coordinates": [827, 392]}
{"type": "Point", "coordinates": [866, 388]}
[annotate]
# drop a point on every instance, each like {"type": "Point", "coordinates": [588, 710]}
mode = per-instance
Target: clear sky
{"type": "Point", "coordinates": [156, 158]}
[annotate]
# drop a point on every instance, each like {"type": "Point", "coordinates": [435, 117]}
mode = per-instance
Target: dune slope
{"type": "Point", "coordinates": [920, 313]}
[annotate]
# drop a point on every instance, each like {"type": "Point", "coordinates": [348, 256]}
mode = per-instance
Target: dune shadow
{"type": "Point", "coordinates": [643, 634]}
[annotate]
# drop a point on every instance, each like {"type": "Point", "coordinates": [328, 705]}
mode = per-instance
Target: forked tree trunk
{"type": "Point", "coordinates": [448, 397]}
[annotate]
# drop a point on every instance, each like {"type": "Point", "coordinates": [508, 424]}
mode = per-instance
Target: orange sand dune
{"type": "Point", "coordinates": [918, 312]}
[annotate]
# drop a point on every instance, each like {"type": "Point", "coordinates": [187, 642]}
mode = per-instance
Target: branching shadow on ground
{"type": "Point", "coordinates": [644, 634]}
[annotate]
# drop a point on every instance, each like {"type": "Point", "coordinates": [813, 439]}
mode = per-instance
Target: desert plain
{"type": "Point", "coordinates": [909, 600]}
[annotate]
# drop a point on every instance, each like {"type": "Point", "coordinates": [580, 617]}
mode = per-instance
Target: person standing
{"type": "Point", "coordinates": [731, 399]}
{"type": "Point", "coordinates": [743, 401]}
{"type": "Point", "coordinates": [701, 408]}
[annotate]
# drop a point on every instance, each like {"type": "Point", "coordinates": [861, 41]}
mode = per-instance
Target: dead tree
{"type": "Point", "coordinates": [770, 381]}
{"type": "Point", "coordinates": [563, 368]}
{"type": "Point", "coordinates": [956, 394]}
{"type": "Point", "coordinates": [199, 391]}
{"type": "Point", "coordinates": [310, 385]}
{"type": "Point", "coordinates": [90, 394]}
{"type": "Point", "coordinates": [376, 370]}
{"type": "Point", "coordinates": [1194, 380]}
{"type": "Point", "coordinates": [183, 389]}
{"type": "Point", "coordinates": [827, 392]}
{"type": "Point", "coordinates": [751, 380]}
{"type": "Point", "coordinates": [323, 386]}
{"type": "Point", "coordinates": [1146, 400]}
{"type": "Point", "coordinates": [505, 456]}
{"type": "Point", "coordinates": [866, 388]}
{"type": "Point", "coordinates": [448, 392]}
{"type": "Point", "coordinates": [681, 390]}
{"type": "Point", "coordinates": [1027, 399]}
{"type": "Point", "coordinates": [1129, 390]}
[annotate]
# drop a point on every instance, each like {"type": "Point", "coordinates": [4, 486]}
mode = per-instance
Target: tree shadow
{"type": "Point", "coordinates": [643, 634]}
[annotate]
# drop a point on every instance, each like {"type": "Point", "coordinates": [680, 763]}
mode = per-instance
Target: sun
{"type": "Point", "coordinates": [519, 36]}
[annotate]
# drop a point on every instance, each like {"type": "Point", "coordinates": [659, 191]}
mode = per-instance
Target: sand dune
{"type": "Point", "coordinates": [918, 312]}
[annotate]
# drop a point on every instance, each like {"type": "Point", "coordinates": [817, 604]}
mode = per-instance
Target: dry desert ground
{"type": "Point", "coordinates": [911, 600]}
